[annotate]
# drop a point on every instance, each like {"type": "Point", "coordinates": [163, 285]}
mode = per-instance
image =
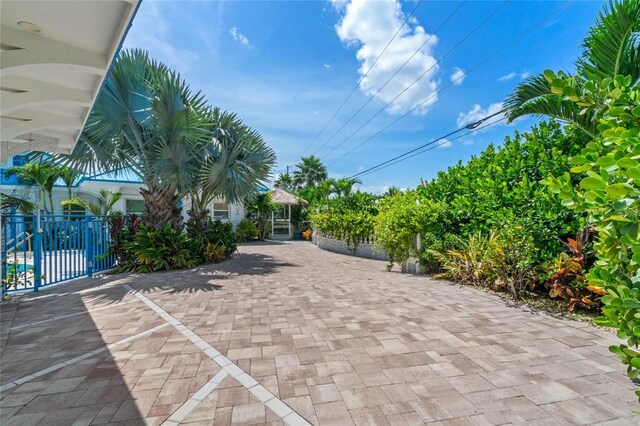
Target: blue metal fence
{"type": "Point", "coordinates": [38, 251]}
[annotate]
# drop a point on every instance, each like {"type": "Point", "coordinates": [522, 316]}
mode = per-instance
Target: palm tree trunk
{"type": "Point", "coordinates": [69, 195]}
{"type": "Point", "coordinates": [43, 201]}
{"type": "Point", "coordinates": [160, 207]}
{"type": "Point", "coordinates": [50, 195]}
{"type": "Point", "coordinates": [198, 220]}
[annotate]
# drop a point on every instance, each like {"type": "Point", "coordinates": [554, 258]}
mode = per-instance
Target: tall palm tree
{"type": "Point", "coordinates": [284, 181]}
{"type": "Point", "coordinates": [42, 175]}
{"type": "Point", "coordinates": [145, 120]}
{"type": "Point", "coordinates": [344, 187]}
{"type": "Point", "coordinates": [103, 205]}
{"type": "Point", "coordinates": [310, 171]}
{"type": "Point", "coordinates": [231, 166]}
{"type": "Point", "coordinates": [611, 48]}
{"type": "Point", "coordinates": [69, 176]}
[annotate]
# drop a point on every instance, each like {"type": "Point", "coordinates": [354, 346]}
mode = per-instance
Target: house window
{"type": "Point", "coordinates": [135, 206]}
{"type": "Point", "coordinates": [220, 210]}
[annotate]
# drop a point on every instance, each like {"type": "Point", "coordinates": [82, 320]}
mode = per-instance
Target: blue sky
{"type": "Point", "coordinates": [285, 67]}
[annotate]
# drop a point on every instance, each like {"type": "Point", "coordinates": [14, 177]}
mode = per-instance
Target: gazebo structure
{"type": "Point", "coordinates": [281, 227]}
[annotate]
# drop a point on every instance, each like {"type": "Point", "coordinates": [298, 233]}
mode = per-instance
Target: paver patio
{"type": "Point", "coordinates": [290, 333]}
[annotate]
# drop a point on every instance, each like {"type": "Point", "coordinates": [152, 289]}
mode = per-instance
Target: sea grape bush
{"type": "Point", "coordinates": [609, 192]}
{"type": "Point", "coordinates": [500, 188]}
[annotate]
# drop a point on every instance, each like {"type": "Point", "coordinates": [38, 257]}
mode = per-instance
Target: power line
{"type": "Point", "coordinates": [363, 77]}
{"type": "Point", "coordinates": [472, 69]}
{"type": "Point", "coordinates": [473, 126]}
{"type": "Point", "coordinates": [396, 73]}
{"type": "Point", "coordinates": [469, 34]}
{"type": "Point", "coordinates": [442, 142]}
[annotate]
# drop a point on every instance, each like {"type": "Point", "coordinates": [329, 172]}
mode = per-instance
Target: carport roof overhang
{"type": "Point", "coordinates": [54, 56]}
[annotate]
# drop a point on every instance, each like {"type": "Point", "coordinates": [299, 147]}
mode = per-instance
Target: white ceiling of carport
{"type": "Point", "coordinates": [49, 81]}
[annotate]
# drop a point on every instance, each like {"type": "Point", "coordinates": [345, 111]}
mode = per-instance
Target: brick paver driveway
{"type": "Point", "coordinates": [287, 332]}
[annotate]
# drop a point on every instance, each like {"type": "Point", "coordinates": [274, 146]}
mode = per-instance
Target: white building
{"type": "Point", "coordinates": [88, 189]}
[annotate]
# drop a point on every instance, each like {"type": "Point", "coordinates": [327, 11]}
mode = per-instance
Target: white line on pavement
{"type": "Point", "coordinates": [282, 410]}
{"type": "Point", "coordinates": [67, 363]}
{"type": "Point", "coordinates": [19, 327]}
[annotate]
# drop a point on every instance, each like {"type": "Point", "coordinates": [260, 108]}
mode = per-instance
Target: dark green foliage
{"type": "Point", "coordinates": [501, 188]}
{"type": "Point", "coordinates": [161, 250]}
{"type": "Point", "coordinates": [246, 231]}
{"type": "Point", "coordinates": [221, 234]}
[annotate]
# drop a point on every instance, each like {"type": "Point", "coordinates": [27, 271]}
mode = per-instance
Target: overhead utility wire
{"type": "Point", "coordinates": [476, 28]}
{"type": "Point", "coordinates": [472, 126]}
{"type": "Point", "coordinates": [396, 73]}
{"type": "Point", "coordinates": [529, 30]}
{"type": "Point", "coordinates": [362, 78]}
{"type": "Point", "coordinates": [442, 142]}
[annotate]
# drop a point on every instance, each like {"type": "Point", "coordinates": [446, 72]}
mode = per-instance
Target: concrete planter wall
{"type": "Point", "coordinates": [365, 249]}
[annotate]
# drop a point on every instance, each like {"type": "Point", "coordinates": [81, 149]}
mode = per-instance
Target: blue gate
{"type": "Point", "coordinates": [45, 250]}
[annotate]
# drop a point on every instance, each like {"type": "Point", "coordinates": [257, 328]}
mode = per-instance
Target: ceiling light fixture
{"type": "Point", "coordinates": [30, 27]}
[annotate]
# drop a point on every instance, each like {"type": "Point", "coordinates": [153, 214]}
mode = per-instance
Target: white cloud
{"type": "Point", "coordinates": [444, 143]}
{"type": "Point", "coordinates": [458, 76]}
{"type": "Point", "coordinates": [524, 74]}
{"type": "Point", "coordinates": [327, 66]}
{"type": "Point", "coordinates": [477, 113]}
{"type": "Point", "coordinates": [468, 142]}
{"type": "Point", "coordinates": [508, 77]}
{"type": "Point", "coordinates": [238, 36]}
{"type": "Point", "coordinates": [369, 25]}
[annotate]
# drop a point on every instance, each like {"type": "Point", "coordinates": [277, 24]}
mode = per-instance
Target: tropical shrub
{"type": "Point", "coordinates": [467, 263]}
{"type": "Point", "coordinates": [221, 234]}
{"type": "Point", "coordinates": [568, 279]}
{"type": "Point", "coordinates": [246, 231]}
{"type": "Point", "coordinates": [401, 217]}
{"type": "Point", "coordinates": [609, 192]}
{"type": "Point", "coordinates": [122, 229]}
{"type": "Point", "coordinates": [161, 250]}
{"type": "Point", "coordinates": [349, 226]}
{"type": "Point", "coordinates": [501, 260]}
{"type": "Point", "coordinates": [500, 188]}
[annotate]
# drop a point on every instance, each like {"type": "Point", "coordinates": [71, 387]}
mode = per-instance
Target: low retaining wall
{"type": "Point", "coordinates": [365, 249]}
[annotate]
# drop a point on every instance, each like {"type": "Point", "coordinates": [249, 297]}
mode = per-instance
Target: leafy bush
{"type": "Point", "coordinates": [160, 250]}
{"type": "Point", "coordinates": [349, 226]}
{"type": "Point", "coordinates": [122, 229]}
{"type": "Point", "coordinates": [501, 260]}
{"type": "Point", "coordinates": [401, 217]}
{"type": "Point", "coordinates": [246, 231]}
{"type": "Point", "coordinates": [500, 188]}
{"type": "Point", "coordinates": [568, 280]}
{"type": "Point", "coordinates": [221, 234]}
{"type": "Point", "coordinates": [609, 192]}
{"type": "Point", "coordinates": [468, 262]}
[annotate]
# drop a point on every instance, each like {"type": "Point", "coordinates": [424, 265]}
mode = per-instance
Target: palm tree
{"type": "Point", "coordinates": [41, 175]}
{"type": "Point", "coordinates": [24, 206]}
{"type": "Point", "coordinates": [284, 181]}
{"type": "Point", "coordinates": [310, 171]}
{"type": "Point", "coordinates": [612, 48]}
{"type": "Point", "coordinates": [262, 207]}
{"type": "Point", "coordinates": [146, 120]}
{"type": "Point", "coordinates": [102, 207]}
{"type": "Point", "coordinates": [69, 176]}
{"type": "Point", "coordinates": [344, 186]}
{"type": "Point", "coordinates": [232, 166]}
